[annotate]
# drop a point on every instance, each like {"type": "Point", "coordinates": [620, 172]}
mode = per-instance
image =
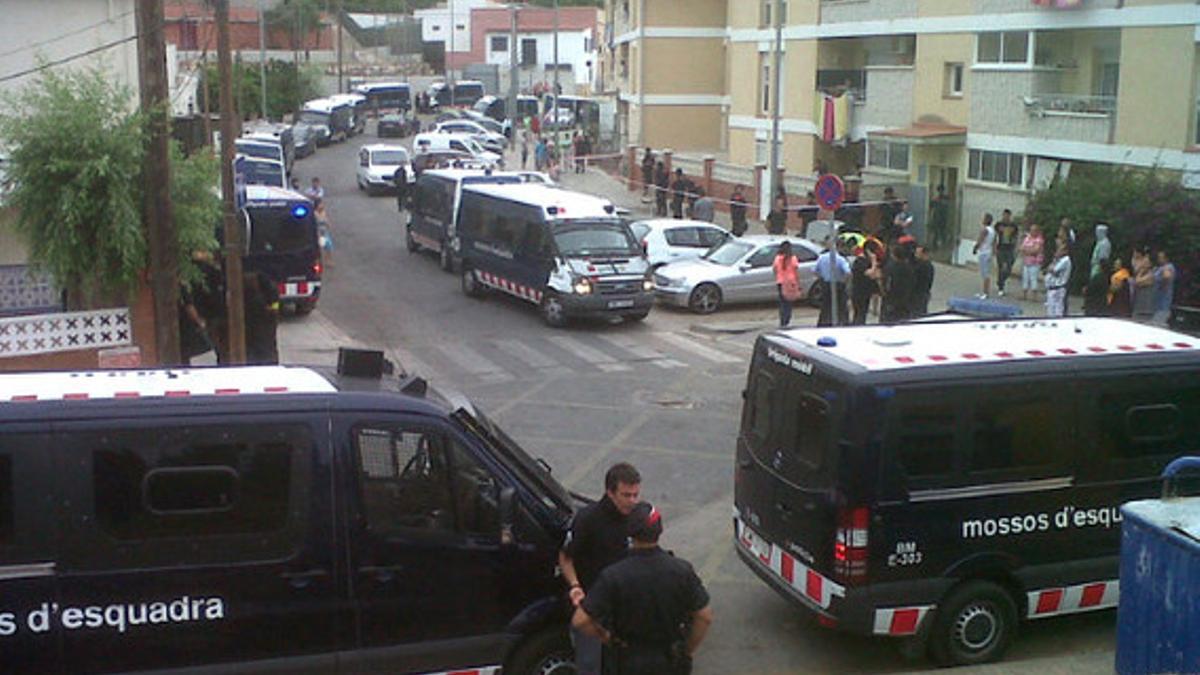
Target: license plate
{"type": "Point", "coordinates": [757, 545]}
{"type": "Point", "coordinates": [619, 304]}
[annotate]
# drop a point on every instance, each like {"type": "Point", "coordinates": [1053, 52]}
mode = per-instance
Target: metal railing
{"type": "Point", "coordinates": [1071, 103]}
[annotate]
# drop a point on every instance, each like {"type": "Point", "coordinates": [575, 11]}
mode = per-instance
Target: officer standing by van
{"type": "Point", "coordinates": [599, 537]}
{"type": "Point", "coordinates": [651, 608]}
{"type": "Point", "coordinates": [400, 178]}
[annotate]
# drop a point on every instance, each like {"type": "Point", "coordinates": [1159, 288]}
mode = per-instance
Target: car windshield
{"type": "Point", "coordinates": [389, 157]}
{"type": "Point", "coordinates": [264, 173]}
{"type": "Point", "coordinates": [728, 253]}
{"type": "Point", "coordinates": [259, 150]}
{"type": "Point", "coordinates": [314, 117]}
{"type": "Point", "coordinates": [594, 237]}
{"type": "Point", "coordinates": [640, 230]}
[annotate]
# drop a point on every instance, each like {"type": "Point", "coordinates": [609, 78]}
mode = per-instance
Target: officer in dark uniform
{"type": "Point", "coordinates": [599, 537]}
{"type": "Point", "coordinates": [400, 180]}
{"type": "Point", "coordinates": [650, 609]}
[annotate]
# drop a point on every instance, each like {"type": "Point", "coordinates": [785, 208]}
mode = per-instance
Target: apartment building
{"type": "Point", "coordinates": [986, 100]}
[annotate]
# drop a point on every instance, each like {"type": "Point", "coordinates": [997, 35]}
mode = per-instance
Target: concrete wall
{"type": "Point", "coordinates": [998, 107]}
{"type": "Point", "coordinates": [889, 97]}
{"type": "Point", "coordinates": [685, 66]}
{"type": "Point", "coordinates": [977, 200]}
{"type": "Point", "coordinates": [1156, 101]}
{"type": "Point", "coordinates": [929, 94]}
{"type": "Point", "coordinates": [689, 13]}
{"type": "Point", "coordinates": [837, 11]}
{"type": "Point", "coordinates": [682, 127]}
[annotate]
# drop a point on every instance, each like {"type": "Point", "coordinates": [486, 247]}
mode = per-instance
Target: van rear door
{"type": "Point", "coordinates": [787, 463]}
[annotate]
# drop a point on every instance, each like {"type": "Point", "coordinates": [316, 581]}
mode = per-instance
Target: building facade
{"type": "Point", "coordinates": [982, 100]}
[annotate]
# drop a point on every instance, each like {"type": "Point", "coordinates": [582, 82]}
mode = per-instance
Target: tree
{"type": "Point", "coordinates": [76, 151]}
{"type": "Point", "coordinates": [287, 86]}
{"type": "Point", "coordinates": [298, 17]}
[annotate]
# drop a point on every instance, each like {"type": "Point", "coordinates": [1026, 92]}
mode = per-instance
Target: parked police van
{"type": "Point", "coordinates": [270, 519]}
{"type": "Point", "coordinates": [945, 480]}
{"type": "Point", "coordinates": [567, 252]}
{"type": "Point", "coordinates": [283, 243]}
{"type": "Point", "coordinates": [435, 198]}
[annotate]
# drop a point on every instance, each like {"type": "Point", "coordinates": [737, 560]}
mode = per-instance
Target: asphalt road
{"type": "Point", "coordinates": [659, 394]}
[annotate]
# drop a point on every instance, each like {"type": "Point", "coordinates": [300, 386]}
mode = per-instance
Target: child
{"type": "Point", "coordinates": [324, 234]}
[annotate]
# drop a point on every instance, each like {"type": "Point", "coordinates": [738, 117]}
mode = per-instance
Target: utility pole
{"type": "Point", "coordinates": [776, 103]}
{"type": "Point", "coordinates": [554, 93]}
{"type": "Point", "coordinates": [234, 305]}
{"type": "Point", "coordinates": [262, 59]}
{"type": "Point", "coordinates": [450, 52]}
{"type": "Point", "coordinates": [513, 73]}
{"type": "Point", "coordinates": [157, 217]}
{"type": "Point", "coordinates": [337, 25]}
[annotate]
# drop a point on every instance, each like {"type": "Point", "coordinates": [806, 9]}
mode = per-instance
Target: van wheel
{"type": "Point", "coordinates": [445, 258]}
{"type": "Point", "coordinates": [553, 312]}
{"type": "Point", "coordinates": [975, 624]}
{"type": "Point", "coordinates": [470, 284]}
{"type": "Point", "coordinates": [705, 298]}
{"type": "Point", "coordinates": [547, 653]}
{"type": "Point", "coordinates": [640, 316]}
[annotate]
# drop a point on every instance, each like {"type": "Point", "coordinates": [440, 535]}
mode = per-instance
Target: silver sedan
{"type": "Point", "coordinates": [738, 270]}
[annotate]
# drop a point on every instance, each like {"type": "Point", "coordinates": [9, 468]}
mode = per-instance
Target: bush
{"type": "Point", "coordinates": [1142, 208]}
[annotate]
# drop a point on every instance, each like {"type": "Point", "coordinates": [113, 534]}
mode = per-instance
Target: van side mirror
{"type": "Point", "coordinates": [508, 514]}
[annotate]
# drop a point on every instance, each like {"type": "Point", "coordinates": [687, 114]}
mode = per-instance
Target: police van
{"type": "Point", "coordinates": [283, 243]}
{"type": "Point", "coordinates": [567, 252]}
{"type": "Point", "coordinates": [270, 519]}
{"type": "Point", "coordinates": [945, 481]}
{"type": "Point", "coordinates": [435, 199]}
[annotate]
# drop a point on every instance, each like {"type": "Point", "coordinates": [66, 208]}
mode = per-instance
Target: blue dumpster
{"type": "Point", "coordinates": [1158, 615]}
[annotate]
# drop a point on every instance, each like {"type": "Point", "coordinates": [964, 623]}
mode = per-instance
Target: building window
{"type": "Point", "coordinates": [529, 52]}
{"type": "Point", "coordinates": [436, 29]}
{"type": "Point", "coordinates": [765, 86]}
{"type": "Point", "coordinates": [953, 86]}
{"type": "Point", "coordinates": [461, 26]}
{"type": "Point", "coordinates": [768, 6]}
{"type": "Point", "coordinates": [1007, 47]}
{"type": "Point", "coordinates": [499, 43]}
{"type": "Point", "coordinates": [887, 155]}
{"type": "Point", "coordinates": [1006, 168]}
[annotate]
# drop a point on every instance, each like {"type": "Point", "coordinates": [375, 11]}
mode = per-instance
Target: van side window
{"type": "Point", "coordinates": [762, 397]}
{"type": "Point", "coordinates": [812, 430]}
{"type": "Point", "coordinates": [925, 440]}
{"type": "Point", "coordinates": [1017, 434]}
{"type": "Point", "coordinates": [7, 524]}
{"type": "Point", "coordinates": [533, 240]}
{"type": "Point", "coordinates": [1151, 420]}
{"type": "Point", "coordinates": [202, 482]}
{"type": "Point", "coordinates": [423, 480]}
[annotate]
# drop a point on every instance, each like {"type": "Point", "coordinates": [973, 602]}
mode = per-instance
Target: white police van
{"type": "Point", "coordinates": [566, 252]}
{"type": "Point", "coordinates": [943, 481]}
{"type": "Point", "coordinates": [271, 519]}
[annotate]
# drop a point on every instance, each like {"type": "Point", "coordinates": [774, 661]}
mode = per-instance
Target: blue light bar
{"type": "Point", "coordinates": [299, 211]}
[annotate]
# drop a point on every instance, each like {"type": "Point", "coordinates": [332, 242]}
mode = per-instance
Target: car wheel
{"type": "Point", "coordinates": [470, 284]}
{"type": "Point", "coordinates": [446, 258]}
{"type": "Point", "coordinates": [816, 293]}
{"type": "Point", "coordinates": [705, 298]}
{"type": "Point", "coordinates": [974, 624]}
{"type": "Point", "coordinates": [545, 653]}
{"type": "Point", "coordinates": [409, 242]}
{"type": "Point", "coordinates": [634, 318]}
{"type": "Point", "coordinates": [553, 311]}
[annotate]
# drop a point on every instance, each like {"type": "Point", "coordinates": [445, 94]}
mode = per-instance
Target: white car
{"type": "Point", "coordinates": [666, 240]}
{"type": "Point", "coordinates": [490, 140]}
{"type": "Point", "coordinates": [433, 141]}
{"type": "Point", "coordinates": [377, 163]}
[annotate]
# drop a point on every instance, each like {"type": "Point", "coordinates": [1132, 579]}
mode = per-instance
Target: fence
{"type": "Point", "coordinates": [64, 332]}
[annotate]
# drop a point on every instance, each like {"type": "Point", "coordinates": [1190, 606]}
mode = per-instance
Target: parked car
{"type": "Point", "coordinates": [433, 141]}
{"type": "Point", "coordinates": [377, 164]}
{"type": "Point", "coordinates": [492, 141]}
{"type": "Point", "coordinates": [738, 270]}
{"type": "Point", "coordinates": [666, 240]}
{"type": "Point", "coordinates": [306, 136]}
{"type": "Point", "coordinates": [392, 124]}
{"type": "Point", "coordinates": [443, 159]}
{"type": "Point", "coordinates": [487, 123]}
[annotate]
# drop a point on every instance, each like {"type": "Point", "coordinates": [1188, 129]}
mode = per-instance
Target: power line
{"type": "Point", "coordinates": [67, 59]}
{"type": "Point", "coordinates": [65, 35]}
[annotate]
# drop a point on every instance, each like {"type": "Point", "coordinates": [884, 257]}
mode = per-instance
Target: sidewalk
{"type": "Point", "coordinates": [949, 280]}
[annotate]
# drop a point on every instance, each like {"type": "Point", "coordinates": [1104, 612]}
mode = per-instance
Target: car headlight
{"type": "Point", "coordinates": [647, 284]}
{"type": "Point", "coordinates": [582, 287]}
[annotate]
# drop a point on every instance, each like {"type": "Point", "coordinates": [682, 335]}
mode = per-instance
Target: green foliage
{"type": "Point", "coordinates": [76, 153]}
{"type": "Point", "coordinates": [1142, 208]}
{"type": "Point", "coordinates": [288, 87]}
{"type": "Point", "coordinates": [77, 149]}
{"type": "Point", "coordinates": [298, 17]}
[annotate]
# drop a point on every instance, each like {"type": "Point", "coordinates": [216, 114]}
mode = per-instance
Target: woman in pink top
{"type": "Point", "coordinates": [1032, 247]}
{"type": "Point", "coordinates": [787, 280]}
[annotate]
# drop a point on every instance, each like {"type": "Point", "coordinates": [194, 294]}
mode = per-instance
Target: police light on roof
{"type": "Point", "coordinates": [299, 211]}
{"type": "Point", "coordinates": [827, 341]}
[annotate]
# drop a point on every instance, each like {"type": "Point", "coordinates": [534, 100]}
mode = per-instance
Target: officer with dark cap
{"type": "Point", "coordinates": [650, 609]}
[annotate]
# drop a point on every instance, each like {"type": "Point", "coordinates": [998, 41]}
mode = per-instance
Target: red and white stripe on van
{"type": "Point", "coordinates": [298, 289]}
{"type": "Point", "coordinates": [810, 584]}
{"type": "Point", "coordinates": [512, 288]}
{"type": "Point", "coordinates": [897, 621]}
{"type": "Point", "coordinates": [1073, 599]}
{"type": "Point", "coordinates": [165, 383]}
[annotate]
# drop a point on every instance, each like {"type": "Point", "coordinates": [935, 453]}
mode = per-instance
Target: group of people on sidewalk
{"type": "Point", "coordinates": [1139, 284]}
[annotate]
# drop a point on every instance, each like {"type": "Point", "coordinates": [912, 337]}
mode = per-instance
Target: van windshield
{"type": "Point", "coordinates": [262, 150]}
{"type": "Point", "coordinates": [264, 173]}
{"type": "Point", "coordinates": [389, 157]}
{"type": "Point", "coordinates": [594, 237]}
{"type": "Point", "coordinates": [728, 253]}
{"type": "Point", "coordinates": [277, 229]}
{"type": "Point", "coordinates": [314, 117]}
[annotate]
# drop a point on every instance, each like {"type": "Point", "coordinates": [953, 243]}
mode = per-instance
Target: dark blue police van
{"type": "Point", "coordinates": [942, 482]}
{"type": "Point", "coordinates": [283, 243]}
{"type": "Point", "coordinates": [271, 519]}
{"type": "Point", "coordinates": [566, 252]}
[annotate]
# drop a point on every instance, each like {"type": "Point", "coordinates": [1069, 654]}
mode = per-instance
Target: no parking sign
{"type": "Point", "coordinates": [830, 191]}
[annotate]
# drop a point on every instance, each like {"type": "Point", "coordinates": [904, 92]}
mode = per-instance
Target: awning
{"type": "Point", "coordinates": [924, 134]}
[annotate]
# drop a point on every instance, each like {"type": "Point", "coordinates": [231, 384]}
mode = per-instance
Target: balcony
{"type": "Point", "coordinates": [1009, 6]}
{"type": "Point", "coordinates": [841, 11]}
{"type": "Point", "coordinates": [1028, 104]}
{"type": "Point", "coordinates": [889, 103]}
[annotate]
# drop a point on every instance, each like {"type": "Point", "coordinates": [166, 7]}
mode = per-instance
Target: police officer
{"type": "Point", "coordinates": [400, 180]}
{"type": "Point", "coordinates": [599, 536]}
{"type": "Point", "coordinates": [650, 608]}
